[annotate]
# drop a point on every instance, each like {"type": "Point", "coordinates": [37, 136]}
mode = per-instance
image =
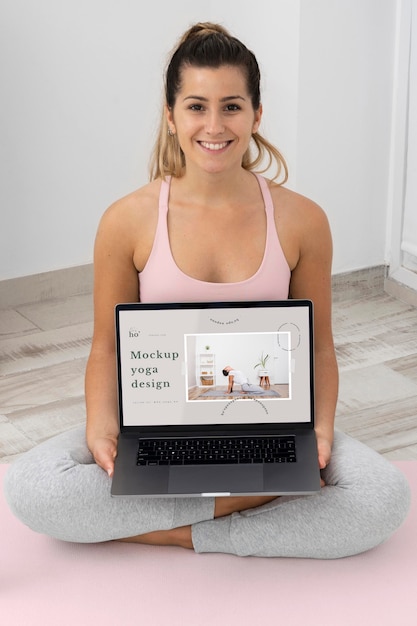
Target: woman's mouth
{"type": "Point", "coordinates": [214, 147]}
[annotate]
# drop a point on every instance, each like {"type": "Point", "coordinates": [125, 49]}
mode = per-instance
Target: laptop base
{"type": "Point", "coordinates": [300, 478]}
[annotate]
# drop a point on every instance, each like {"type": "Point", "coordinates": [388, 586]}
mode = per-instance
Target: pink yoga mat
{"type": "Point", "coordinates": [45, 582]}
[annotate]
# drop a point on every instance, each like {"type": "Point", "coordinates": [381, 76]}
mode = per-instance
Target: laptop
{"type": "Point", "coordinates": [215, 399]}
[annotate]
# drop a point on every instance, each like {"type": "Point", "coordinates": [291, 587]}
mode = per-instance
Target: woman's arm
{"type": "Point", "coordinates": [311, 279]}
{"type": "Point", "coordinates": [115, 280]}
{"type": "Point", "coordinates": [231, 379]}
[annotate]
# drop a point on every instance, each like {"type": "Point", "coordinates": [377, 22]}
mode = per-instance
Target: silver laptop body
{"type": "Point", "coordinates": [172, 390]}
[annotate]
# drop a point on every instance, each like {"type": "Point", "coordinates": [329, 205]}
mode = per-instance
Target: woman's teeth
{"type": "Point", "coordinates": [214, 146]}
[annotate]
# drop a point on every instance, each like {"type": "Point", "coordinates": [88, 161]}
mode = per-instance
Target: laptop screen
{"type": "Point", "coordinates": [215, 363]}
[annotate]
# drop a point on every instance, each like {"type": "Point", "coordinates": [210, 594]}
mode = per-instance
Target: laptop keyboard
{"type": "Point", "coordinates": [197, 451]}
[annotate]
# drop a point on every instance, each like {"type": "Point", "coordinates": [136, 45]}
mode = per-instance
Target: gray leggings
{"type": "Point", "coordinates": [247, 387]}
{"type": "Point", "coordinates": [57, 489]}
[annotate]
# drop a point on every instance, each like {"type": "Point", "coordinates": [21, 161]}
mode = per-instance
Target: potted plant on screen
{"type": "Point", "coordinates": [262, 371]}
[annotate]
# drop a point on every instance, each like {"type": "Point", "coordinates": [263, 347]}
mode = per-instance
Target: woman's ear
{"type": "Point", "coordinates": [258, 117]}
{"type": "Point", "coordinates": [170, 119]}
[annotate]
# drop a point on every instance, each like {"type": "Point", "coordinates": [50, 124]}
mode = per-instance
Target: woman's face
{"type": "Point", "coordinates": [213, 117]}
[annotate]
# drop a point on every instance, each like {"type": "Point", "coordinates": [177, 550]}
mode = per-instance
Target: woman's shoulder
{"type": "Point", "coordinates": [130, 221]}
{"type": "Point", "coordinates": [296, 202]}
{"type": "Point", "coordinates": [301, 223]}
{"type": "Point", "coordinates": [132, 212]}
{"type": "Point", "coordinates": [137, 202]}
{"type": "Point", "coordinates": [297, 209]}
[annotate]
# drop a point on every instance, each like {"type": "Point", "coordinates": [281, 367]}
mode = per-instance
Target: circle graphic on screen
{"type": "Point", "coordinates": [295, 334]}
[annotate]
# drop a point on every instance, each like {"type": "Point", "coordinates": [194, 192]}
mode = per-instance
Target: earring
{"type": "Point", "coordinates": [170, 132]}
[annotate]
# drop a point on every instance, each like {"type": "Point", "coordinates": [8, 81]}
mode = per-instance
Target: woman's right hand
{"type": "Point", "coordinates": [104, 451]}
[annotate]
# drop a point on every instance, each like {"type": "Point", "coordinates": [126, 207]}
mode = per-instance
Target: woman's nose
{"type": "Point", "coordinates": [214, 124]}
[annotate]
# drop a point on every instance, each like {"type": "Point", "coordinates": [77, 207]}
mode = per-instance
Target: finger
{"type": "Point", "coordinates": [105, 459]}
{"type": "Point", "coordinates": [324, 455]}
{"type": "Point", "coordinates": [322, 461]}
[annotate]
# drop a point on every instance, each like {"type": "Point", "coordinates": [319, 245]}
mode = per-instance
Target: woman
{"type": "Point", "coordinates": [207, 227]}
{"type": "Point", "coordinates": [238, 377]}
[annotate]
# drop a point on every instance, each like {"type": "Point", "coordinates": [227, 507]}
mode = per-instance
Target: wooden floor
{"type": "Point", "coordinates": [44, 347]}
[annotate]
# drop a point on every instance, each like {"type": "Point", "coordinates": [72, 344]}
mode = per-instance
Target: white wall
{"type": "Point", "coordinates": [344, 121]}
{"type": "Point", "coordinates": [81, 86]}
{"type": "Point", "coordinates": [81, 83]}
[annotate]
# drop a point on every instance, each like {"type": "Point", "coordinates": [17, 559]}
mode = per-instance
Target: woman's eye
{"type": "Point", "coordinates": [233, 107]}
{"type": "Point", "coordinates": [196, 107]}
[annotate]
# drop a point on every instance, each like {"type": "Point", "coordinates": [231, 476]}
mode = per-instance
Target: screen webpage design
{"type": "Point", "coordinates": [214, 366]}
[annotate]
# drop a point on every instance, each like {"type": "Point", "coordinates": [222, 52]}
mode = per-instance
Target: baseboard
{"type": "Point", "coordinates": [71, 281]}
{"type": "Point", "coordinates": [400, 291]}
{"type": "Point", "coordinates": [368, 281]}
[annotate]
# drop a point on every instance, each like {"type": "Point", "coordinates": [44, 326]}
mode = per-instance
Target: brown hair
{"type": "Point", "coordinates": [210, 45]}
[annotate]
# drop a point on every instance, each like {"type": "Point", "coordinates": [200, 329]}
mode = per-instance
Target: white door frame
{"type": "Point", "coordinates": [399, 137]}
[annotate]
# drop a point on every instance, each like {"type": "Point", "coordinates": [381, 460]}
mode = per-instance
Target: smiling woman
{"type": "Point", "coordinates": [210, 227]}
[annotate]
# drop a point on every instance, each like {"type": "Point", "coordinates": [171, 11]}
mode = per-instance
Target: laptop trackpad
{"type": "Point", "coordinates": [215, 479]}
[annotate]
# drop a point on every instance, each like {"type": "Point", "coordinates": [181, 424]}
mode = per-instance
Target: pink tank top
{"type": "Point", "coordinates": [162, 281]}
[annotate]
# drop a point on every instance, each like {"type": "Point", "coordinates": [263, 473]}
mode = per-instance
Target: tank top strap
{"type": "Point", "coordinates": [161, 245]}
{"type": "Point", "coordinates": [266, 195]}
{"type": "Point", "coordinates": [164, 196]}
{"type": "Point", "coordinates": [272, 240]}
